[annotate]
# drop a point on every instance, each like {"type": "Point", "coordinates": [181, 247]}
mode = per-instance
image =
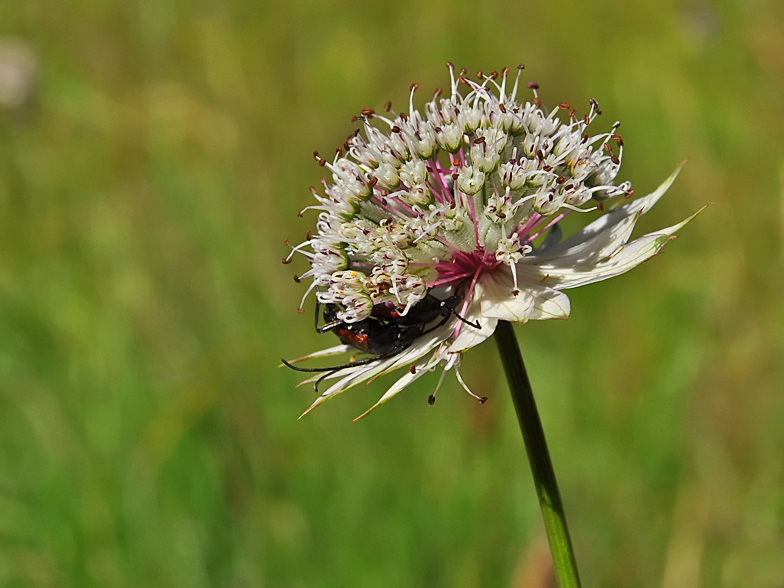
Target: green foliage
{"type": "Point", "coordinates": [147, 437]}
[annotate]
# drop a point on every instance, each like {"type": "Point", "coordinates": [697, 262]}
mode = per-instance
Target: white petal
{"type": "Point", "coordinates": [323, 353]}
{"type": "Point", "coordinates": [564, 273]}
{"type": "Point", "coordinates": [469, 336]}
{"type": "Point", "coordinates": [350, 377]}
{"type": "Point", "coordinates": [404, 381]}
{"type": "Point", "coordinates": [533, 301]}
{"type": "Point", "coordinates": [498, 301]}
{"type": "Point", "coordinates": [550, 304]}
{"type": "Point", "coordinates": [577, 242]}
{"type": "Point", "coordinates": [591, 251]}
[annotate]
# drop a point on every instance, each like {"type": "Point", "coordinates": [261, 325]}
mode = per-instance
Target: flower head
{"type": "Point", "coordinates": [448, 204]}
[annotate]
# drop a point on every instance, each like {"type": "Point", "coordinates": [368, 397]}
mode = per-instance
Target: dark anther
{"type": "Point", "coordinates": [301, 310]}
{"type": "Point", "coordinates": [450, 65]}
{"type": "Point", "coordinates": [614, 159]}
{"type": "Point", "coordinates": [538, 102]}
{"type": "Point", "coordinates": [286, 261]}
{"type": "Point", "coordinates": [414, 87]}
{"type": "Point", "coordinates": [533, 85]}
{"type": "Point", "coordinates": [521, 66]}
{"type": "Point", "coordinates": [404, 116]}
{"type": "Point", "coordinates": [373, 181]}
{"type": "Point", "coordinates": [483, 399]}
{"type": "Point", "coordinates": [412, 369]}
{"type": "Point", "coordinates": [367, 112]}
{"type": "Point", "coordinates": [501, 106]}
{"type": "Point", "coordinates": [539, 154]}
{"type": "Point", "coordinates": [431, 400]}
{"type": "Point", "coordinates": [296, 279]}
{"type": "Point", "coordinates": [286, 242]}
{"type": "Point", "coordinates": [548, 168]}
{"type": "Point", "coordinates": [572, 112]}
{"type": "Point", "coordinates": [585, 137]}
{"type": "Point", "coordinates": [493, 75]}
{"type": "Point", "coordinates": [600, 206]}
{"type": "Point", "coordinates": [387, 106]}
{"type": "Point", "coordinates": [505, 72]}
{"type": "Point", "coordinates": [308, 236]}
{"type": "Point", "coordinates": [479, 141]}
{"type": "Point", "coordinates": [437, 93]}
{"type": "Point", "coordinates": [479, 74]}
{"type": "Point", "coordinates": [607, 148]}
{"type": "Point", "coordinates": [395, 129]}
{"type": "Point", "coordinates": [563, 105]}
{"type": "Point", "coordinates": [560, 180]}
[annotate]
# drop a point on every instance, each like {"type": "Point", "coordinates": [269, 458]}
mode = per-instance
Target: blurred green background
{"type": "Point", "coordinates": [153, 157]}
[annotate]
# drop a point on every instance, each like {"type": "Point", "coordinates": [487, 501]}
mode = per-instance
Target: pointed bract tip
{"type": "Point", "coordinates": [364, 414]}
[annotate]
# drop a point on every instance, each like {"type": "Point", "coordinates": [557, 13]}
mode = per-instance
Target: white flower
{"type": "Point", "coordinates": [450, 206]}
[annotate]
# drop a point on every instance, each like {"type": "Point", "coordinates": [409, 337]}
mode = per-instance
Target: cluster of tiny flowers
{"type": "Point", "coordinates": [469, 184]}
{"type": "Point", "coordinates": [452, 200]}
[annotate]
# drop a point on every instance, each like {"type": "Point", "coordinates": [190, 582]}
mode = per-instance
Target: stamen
{"type": "Point", "coordinates": [308, 291]}
{"type": "Point", "coordinates": [481, 399]}
{"type": "Point", "coordinates": [574, 208]}
{"type": "Point", "coordinates": [431, 400]}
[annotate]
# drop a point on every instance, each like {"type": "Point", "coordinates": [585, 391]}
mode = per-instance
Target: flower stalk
{"type": "Point", "coordinates": [538, 457]}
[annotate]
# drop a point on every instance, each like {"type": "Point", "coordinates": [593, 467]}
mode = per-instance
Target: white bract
{"type": "Point", "coordinates": [454, 201]}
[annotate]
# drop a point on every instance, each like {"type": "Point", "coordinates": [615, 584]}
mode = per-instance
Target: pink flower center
{"type": "Point", "coordinates": [464, 266]}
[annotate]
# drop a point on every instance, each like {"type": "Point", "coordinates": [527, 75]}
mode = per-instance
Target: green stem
{"type": "Point", "coordinates": [538, 457]}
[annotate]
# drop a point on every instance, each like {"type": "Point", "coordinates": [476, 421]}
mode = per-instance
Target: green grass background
{"type": "Point", "coordinates": [147, 437]}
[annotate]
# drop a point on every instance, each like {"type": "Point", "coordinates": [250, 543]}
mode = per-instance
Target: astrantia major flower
{"type": "Point", "coordinates": [448, 204]}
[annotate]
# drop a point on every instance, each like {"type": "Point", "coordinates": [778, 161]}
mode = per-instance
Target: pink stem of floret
{"type": "Point", "coordinates": [547, 226]}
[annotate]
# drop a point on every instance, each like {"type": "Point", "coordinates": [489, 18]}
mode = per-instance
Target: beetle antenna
{"type": "Point", "coordinates": [334, 368]}
{"type": "Point", "coordinates": [476, 324]}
